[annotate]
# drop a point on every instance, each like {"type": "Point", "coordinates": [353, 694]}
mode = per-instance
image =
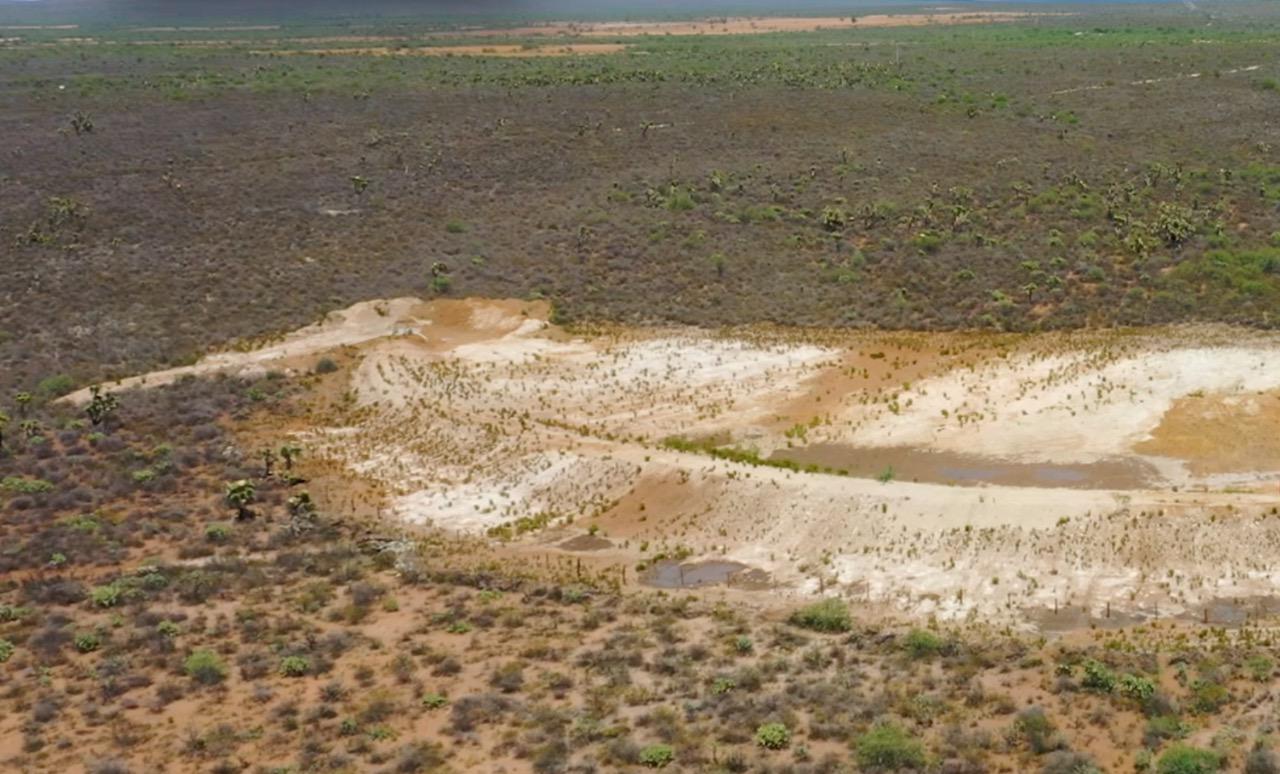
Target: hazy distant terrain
{"type": "Point", "coordinates": [147, 11]}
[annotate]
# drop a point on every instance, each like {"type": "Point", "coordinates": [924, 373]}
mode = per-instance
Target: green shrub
{"type": "Point", "coordinates": [1098, 678]}
{"type": "Point", "coordinates": [1208, 696]}
{"type": "Point", "coordinates": [217, 533]}
{"type": "Point", "coordinates": [1173, 223]}
{"type": "Point", "coordinates": [1164, 727]}
{"type": "Point", "coordinates": [1136, 687]}
{"type": "Point", "coordinates": [1259, 668]}
{"type": "Point", "coordinates": [109, 595]}
{"type": "Point", "coordinates": [722, 685]}
{"type": "Point", "coordinates": [833, 218]}
{"type": "Point", "coordinates": [773, 736]}
{"type": "Point", "coordinates": [434, 700]}
{"type": "Point", "coordinates": [9, 613]}
{"type": "Point", "coordinates": [294, 666]}
{"type": "Point", "coordinates": [679, 200]}
{"type": "Point", "coordinates": [28, 486]}
{"type": "Point", "coordinates": [88, 642]}
{"type": "Point", "coordinates": [1034, 726]}
{"type": "Point", "coordinates": [888, 746]}
{"type": "Point", "coordinates": [55, 386]}
{"type": "Point", "coordinates": [1239, 274]}
{"type": "Point", "coordinates": [204, 666]}
{"type": "Point", "coordinates": [921, 643]}
{"type": "Point", "coordinates": [6, 650]}
{"type": "Point", "coordinates": [657, 756]}
{"type": "Point", "coordinates": [829, 615]}
{"type": "Point", "coordinates": [1183, 759]}
{"type": "Point", "coordinates": [325, 365]}
{"type": "Point", "coordinates": [927, 241]}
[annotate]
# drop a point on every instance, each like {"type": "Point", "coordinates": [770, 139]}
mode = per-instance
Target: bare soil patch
{"type": "Point", "coordinates": [573, 49]}
{"type": "Point", "coordinates": [1218, 433]}
{"type": "Point", "coordinates": [747, 25]}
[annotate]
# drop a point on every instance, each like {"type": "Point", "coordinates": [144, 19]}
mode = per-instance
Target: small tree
{"type": "Point", "coordinates": [23, 399]}
{"type": "Point", "coordinates": [81, 122]}
{"type": "Point", "coordinates": [4, 422]}
{"type": "Point", "coordinates": [290, 453]}
{"type": "Point", "coordinates": [302, 513]}
{"type": "Point", "coordinates": [301, 504]}
{"type": "Point", "coordinates": [440, 280]}
{"type": "Point", "coordinates": [240, 495]}
{"type": "Point", "coordinates": [834, 218]}
{"type": "Point", "coordinates": [101, 405]}
{"type": "Point", "coordinates": [268, 461]}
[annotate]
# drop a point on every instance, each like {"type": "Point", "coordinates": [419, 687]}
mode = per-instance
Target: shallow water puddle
{"type": "Point", "coordinates": [670, 574]}
{"type": "Point", "coordinates": [1236, 611]}
{"type": "Point", "coordinates": [586, 543]}
{"type": "Point", "coordinates": [1070, 619]}
{"type": "Point", "coordinates": [907, 463]}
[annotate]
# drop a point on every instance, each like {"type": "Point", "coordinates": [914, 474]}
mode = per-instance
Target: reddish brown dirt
{"type": "Point", "coordinates": [881, 363]}
{"type": "Point", "coordinates": [1220, 434]}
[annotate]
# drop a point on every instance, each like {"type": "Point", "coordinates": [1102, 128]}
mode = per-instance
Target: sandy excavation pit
{"type": "Point", "coordinates": [1105, 468]}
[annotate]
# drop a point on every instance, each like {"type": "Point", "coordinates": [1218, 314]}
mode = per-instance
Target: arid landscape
{"type": "Point", "coordinates": [392, 389]}
{"type": "Point", "coordinates": [910, 470]}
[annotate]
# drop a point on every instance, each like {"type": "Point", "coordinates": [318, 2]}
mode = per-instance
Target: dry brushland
{"type": "Point", "coordinates": [889, 394]}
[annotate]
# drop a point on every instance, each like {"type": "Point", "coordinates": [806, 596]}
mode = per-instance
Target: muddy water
{"type": "Point", "coordinates": [1070, 619]}
{"type": "Point", "coordinates": [586, 543]}
{"type": "Point", "coordinates": [1236, 611]}
{"type": "Point", "coordinates": [940, 467]}
{"type": "Point", "coordinates": [1228, 612]}
{"type": "Point", "coordinates": [675, 575]}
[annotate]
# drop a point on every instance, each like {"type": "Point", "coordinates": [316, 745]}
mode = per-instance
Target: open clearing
{"type": "Point", "coordinates": [955, 475]}
{"type": "Point", "coordinates": [571, 49]}
{"type": "Point", "coordinates": [744, 25]}
{"type": "Point", "coordinates": [747, 25]}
